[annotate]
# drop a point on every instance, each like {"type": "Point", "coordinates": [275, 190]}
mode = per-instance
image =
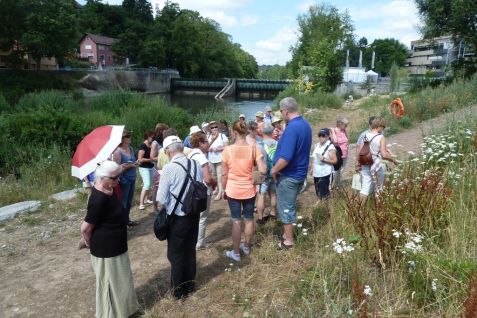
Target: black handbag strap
{"type": "Point", "coordinates": [184, 186]}
{"type": "Point", "coordinates": [328, 146]}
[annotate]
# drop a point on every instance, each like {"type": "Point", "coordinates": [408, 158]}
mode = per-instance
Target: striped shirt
{"type": "Point", "coordinates": [172, 179]}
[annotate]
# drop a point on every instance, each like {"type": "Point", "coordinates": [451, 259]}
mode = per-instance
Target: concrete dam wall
{"type": "Point", "coordinates": [152, 82]}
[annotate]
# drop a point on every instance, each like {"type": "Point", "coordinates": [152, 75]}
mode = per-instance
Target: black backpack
{"type": "Point", "coordinates": [195, 199]}
{"type": "Point", "coordinates": [339, 156]}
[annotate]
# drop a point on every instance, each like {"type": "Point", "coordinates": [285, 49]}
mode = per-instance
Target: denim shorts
{"type": "Point", "coordinates": [241, 208]}
{"type": "Point", "coordinates": [268, 185]}
{"type": "Point", "coordinates": [287, 192]}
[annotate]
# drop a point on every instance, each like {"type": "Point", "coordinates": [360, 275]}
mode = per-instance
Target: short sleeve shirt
{"type": "Point", "coordinates": [216, 156]}
{"type": "Point", "coordinates": [294, 146]}
{"type": "Point", "coordinates": [239, 160]}
{"type": "Point", "coordinates": [201, 159]}
{"type": "Point", "coordinates": [109, 237]}
{"type": "Point", "coordinates": [321, 169]}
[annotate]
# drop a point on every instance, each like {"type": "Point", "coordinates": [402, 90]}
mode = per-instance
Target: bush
{"type": "Point", "coordinates": [315, 100]}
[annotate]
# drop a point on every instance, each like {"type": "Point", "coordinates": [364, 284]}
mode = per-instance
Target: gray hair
{"type": "Point", "coordinates": [106, 168]}
{"type": "Point", "coordinates": [342, 119]}
{"type": "Point", "coordinates": [251, 125]}
{"type": "Point", "coordinates": [176, 147]}
{"type": "Point", "coordinates": [267, 129]}
{"type": "Point", "coordinates": [290, 104]}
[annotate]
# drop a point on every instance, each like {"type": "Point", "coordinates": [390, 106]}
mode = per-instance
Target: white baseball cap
{"type": "Point", "coordinates": [242, 116]}
{"type": "Point", "coordinates": [170, 140]}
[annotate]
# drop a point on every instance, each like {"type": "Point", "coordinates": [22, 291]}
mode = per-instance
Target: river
{"type": "Point", "coordinates": [196, 104]}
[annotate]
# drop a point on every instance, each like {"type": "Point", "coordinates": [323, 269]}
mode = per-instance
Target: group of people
{"type": "Point", "coordinates": [240, 164]}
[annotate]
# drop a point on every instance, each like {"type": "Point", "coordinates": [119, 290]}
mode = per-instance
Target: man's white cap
{"type": "Point", "coordinates": [242, 116]}
{"type": "Point", "coordinates": [194, 129]}
{"type": "Point", "coordinates": [268, 109]}
{"type": "Point", "coordinates": [171, 140]}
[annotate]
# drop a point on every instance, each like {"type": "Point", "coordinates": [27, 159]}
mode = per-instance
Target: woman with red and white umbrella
{"type": "Point", "coordinates": [124, 156]}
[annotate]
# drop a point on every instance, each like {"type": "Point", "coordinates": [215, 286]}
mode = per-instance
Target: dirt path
{"type": "Point", "coordinates": [44, 275]}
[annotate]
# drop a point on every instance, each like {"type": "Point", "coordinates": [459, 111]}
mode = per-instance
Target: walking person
{"type": "Point", "coordinates": [124, 156]}
{"type": "Point", "coordinates": [200, 147]}
{"type": "Point", "coordinates": [238, 161]}
{"type": "Point", "coordinates": [291, 165]}
{"type": "Point", "coordinates": [324, 157]}
{"type": "Point", "coordinates": [339, 137]}
{"type": "Point", "coordinates": [146, 167]}
{"type": "Point", "coordinates": [217, 144]}
{"type": "Point", "coordinates": [183, 230]}
{"type": "Point", "coordinates": [104, 232]}
{"type": "Point", "coordinates": [372, 176]}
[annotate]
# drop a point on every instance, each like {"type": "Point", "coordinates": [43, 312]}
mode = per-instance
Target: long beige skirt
{"type": "Point", "coordinates": [115, 295]}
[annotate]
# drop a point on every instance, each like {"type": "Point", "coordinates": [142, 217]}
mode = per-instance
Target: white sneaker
{"type": "Point", "coordinates": [148, 202]}
{"type": "Point", "coordinates": [232, 255]}
{"type": "Point", "coordinates": [245, 249]}
{"type": "Point", "coordinates": [142, 207]}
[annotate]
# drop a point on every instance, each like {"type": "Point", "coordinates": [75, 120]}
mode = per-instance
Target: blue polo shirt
{"type": "Point", "coordinates": [294, 146]}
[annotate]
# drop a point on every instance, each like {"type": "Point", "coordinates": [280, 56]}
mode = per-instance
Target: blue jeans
{"type": "Point", "coordinates": [127, 192]}
{"type": "Point", "coordinates": [287, 192]}
{"type": "Point", "coordinates": [236, 206]}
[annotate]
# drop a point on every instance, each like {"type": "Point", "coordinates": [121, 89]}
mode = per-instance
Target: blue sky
{"type": "Point", "coordinates": [267, 28]}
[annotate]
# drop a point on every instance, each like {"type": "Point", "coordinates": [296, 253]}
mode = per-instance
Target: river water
{"type": "Point", "coordinates": [234, 106]}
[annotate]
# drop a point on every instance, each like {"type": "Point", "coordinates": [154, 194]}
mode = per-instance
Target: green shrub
{"type": "Point", "coordinates": [316, 100]}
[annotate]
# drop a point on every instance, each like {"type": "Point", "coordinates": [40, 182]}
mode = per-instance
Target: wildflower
{"type": "Point", "coordinates": [434, 284]}
{"type": "Point", "coordinates": [368, 291]}
{"type": "Point", "coordinates": [340, 246]}
{"type": "Point", "coordinates": [299, 217]}
{"type": "Point", "coordinates": [396, 234]}
{"type": "Point", "coordinates": [411, 266]}
{"type": "Point", "coordinates": [412, 153]}
{"type": "Point", "coordinates": [300, 225]}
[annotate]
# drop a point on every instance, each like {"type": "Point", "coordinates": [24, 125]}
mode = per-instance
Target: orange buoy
{"type": "Point", "coordinates": [396, 108]}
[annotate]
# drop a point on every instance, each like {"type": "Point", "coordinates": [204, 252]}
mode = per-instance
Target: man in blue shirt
{"type": "Point", "coordinates": [291, 165]}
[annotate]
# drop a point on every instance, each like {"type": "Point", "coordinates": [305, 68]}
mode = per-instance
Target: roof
{"type": "Point", "coordinates": [100, 39]}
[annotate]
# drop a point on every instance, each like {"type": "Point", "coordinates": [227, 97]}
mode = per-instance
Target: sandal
{"type": "Point", "coordinates": [269, 217]}
{"type": "Point", "coordinates": [283, 246]}
{"type": "Point", "coordinates": [133, 223]}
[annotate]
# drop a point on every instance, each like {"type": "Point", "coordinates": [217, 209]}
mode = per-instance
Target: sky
{"type": "Point", "coordinates": [267, 28]}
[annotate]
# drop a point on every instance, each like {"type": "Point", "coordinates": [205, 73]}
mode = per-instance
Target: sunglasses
{"type": "Point", "coordinates": [322, 135]}
{"type": "Point", "coordinates": [214, 127]}
{"type": "Point", "coordinates": [113, 178]}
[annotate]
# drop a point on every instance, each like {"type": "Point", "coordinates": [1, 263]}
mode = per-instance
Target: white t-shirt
{"type": "Point", "coordinates": [201, 159]}
{"type": "Point", "coordinates": [321, 169]}
{"type": "Point", "coordinates": [216, 156]}
{"type": "Point", "coordinates": [375, 147]}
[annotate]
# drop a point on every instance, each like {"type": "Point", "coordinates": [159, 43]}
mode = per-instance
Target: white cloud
{"type": "Point", "coordinates": [221, 17]}
{"type": "Point", "coordinates": [248, 20]}
{"type": "Point", "coordinates": [275, 50]}
{"type": "Point", "coordinates": [303, 7]}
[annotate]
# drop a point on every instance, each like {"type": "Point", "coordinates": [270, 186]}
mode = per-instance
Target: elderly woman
{"type": "Point", "coordinates": [124, 156]}
{"type": "Point", "coordinates": [104, 232]}
{"type": "Point", "coordinates": [277, 128]}
{"type": "Point", "coordinates": [324, 157]}
{"type": "Point", "coordinates": [339, 136]}
{"type": "Point", "coordinates": [155, 147]}
{"type": "Point", "coordinates": [377, 145]}
{"type": "Point", "coordinates": [217, 144]}
{"type": "Point", "coordinates": [200, 147]}
{"type": "Point", "coordinates": [238, 162]}
{"type": "Point", "coordinates": [146, 168]}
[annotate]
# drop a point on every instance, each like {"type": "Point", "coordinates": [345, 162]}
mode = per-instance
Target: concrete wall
{"type": "Point", "coordinates": [152, 82]}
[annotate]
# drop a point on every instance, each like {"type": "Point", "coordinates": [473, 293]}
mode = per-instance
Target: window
{"type": "Point", "coordinates": [109, 58]}
{"type": "Point", "coordinates": [87, 46]}
{"type": "Point", "coordinates": [101, 47]}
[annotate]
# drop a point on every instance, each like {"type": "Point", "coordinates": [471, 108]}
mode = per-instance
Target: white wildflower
{"type": "Point", "coordinates": [299, 217]}
{"type": "Point", "coordinates": [396, 234]}
{"type": "Point", "coordinates": [368, 291]}
{"type": "Point", "coordinates": [434, 284]}
{"type": "Point", "coordinates": [411, 266]}
{"type": "Point", "coordinates": [299, 225]}
{"type": "Point", "coordinates": [412, 153]}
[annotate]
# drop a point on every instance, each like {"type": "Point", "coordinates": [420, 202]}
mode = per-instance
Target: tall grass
{"type": "Point", "coordinates": [311, 100]}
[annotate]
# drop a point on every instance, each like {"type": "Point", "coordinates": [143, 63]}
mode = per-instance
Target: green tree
{"type": "Point", "coordinates": [50, 29]}
{"type": "Point", "coordinates": [139, 9]}
{"type": "Point", "coordinates": [388, 51]}
{"type": "Point", "coordinates": [273, 72]}
{"type": "Point", "coordinates": [324, 32]}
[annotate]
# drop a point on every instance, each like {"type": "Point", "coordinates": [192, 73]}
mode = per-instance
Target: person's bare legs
{"type": "Point", "coordinates": [249, 229]}
{"type": "Point", "coordinates": [236, 236]}
{"type": "Point", "coordinates": [288, 234]}
{"type": "Point", "coordinates": [143, 196]}
{"type": "Point", "coordinates": [273, 203]}
{"type": "Point", "coordinates": [260, 205]}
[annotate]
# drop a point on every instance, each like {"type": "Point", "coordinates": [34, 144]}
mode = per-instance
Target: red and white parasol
{"type": "Point", "coordinates": [96, 147]}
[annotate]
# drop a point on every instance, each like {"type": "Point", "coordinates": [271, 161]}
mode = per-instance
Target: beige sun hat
{"type": "Point", "coordinates": [259, 114]}
{"type": "Point", "coordinates": [276, 120]}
